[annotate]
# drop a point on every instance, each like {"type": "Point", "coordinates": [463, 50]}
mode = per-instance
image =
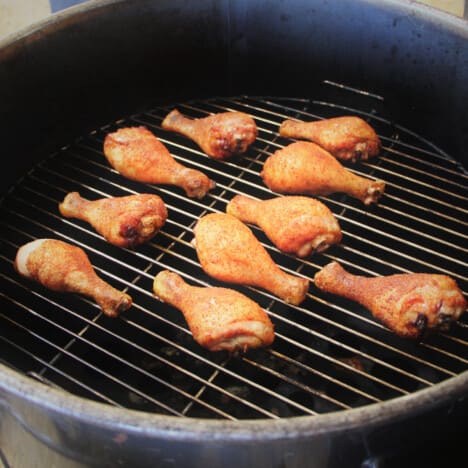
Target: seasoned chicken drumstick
{"type": "Point", "coordinates": [304, 167]}
{"type": "Point", "coordinates": [63, 267]}
{"type": "Point", "coordinates": [219, 318]}
{"type": "Point", "coordinates": [122, 221]}
{"type": "Point", "coordinates": [346, 138]}
{"type": "Point", "coordinates": [138, 155]}
{"type": "Point", "coordinates": [220, 136]}
{"type": "Point", "coordinates": [297, 225]}
{"type": "Point", "coordinates": [409, 304]}
{"type": "Point", "coordinates": [228, 251]}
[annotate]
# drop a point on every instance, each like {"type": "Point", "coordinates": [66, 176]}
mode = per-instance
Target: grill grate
{"type": "Point", "coordinates": [327, 356]}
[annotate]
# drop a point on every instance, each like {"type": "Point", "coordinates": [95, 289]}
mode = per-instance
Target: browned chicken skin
{"type": "Point", "coordinates": [346, 138]}
{"type": "Point", "coordinates": [63, 267]}
{"type": "Point", "coordinates": [220, 136]}
{"type": "Point", "coordinates": [219, 318]}
{"type": "Point", "coordinates": [122, 221]}
{"type": "Point", "coordinates": [304, 167]}
{"type": "Point", "coordinates": [138, 155]}
{"type": "Point", "coordinates": [409, 304]}
{"type": "Point", "coordinates": [295, 224]}
{"type": "Point", "coordinates": [228, 251]}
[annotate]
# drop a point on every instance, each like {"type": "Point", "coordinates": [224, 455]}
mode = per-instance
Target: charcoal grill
{"type": "Point", "coordinates": [329, 355]}
{"type": "Point", "coordinates": [139, 385]}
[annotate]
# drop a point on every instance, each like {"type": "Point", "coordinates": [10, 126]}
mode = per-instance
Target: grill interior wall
{"type": "Point", "coordinates": [328, 355]}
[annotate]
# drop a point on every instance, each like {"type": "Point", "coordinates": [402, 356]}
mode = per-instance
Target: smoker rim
{"type": "Point", "coordinates": [53, 20]}
{"type": "Point", "coordinates": [448, 392]}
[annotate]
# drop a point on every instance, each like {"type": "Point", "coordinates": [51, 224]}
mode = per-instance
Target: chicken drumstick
{"type": "Point", "coordinates": [220, 136]}
{"type": "Point", "coordinates": [63, 267]}
{"type": "Point", "coordinates": [228, 251]}
{"type": "Point", "coordinates": [122, 221]}
{"type": "Point", "coordinates": [347, 138]}
{"type": "Point", "coordinates": [219, 318]}
{"type": "Point", "coordinates": [409, 304]}
{"type": "Point", "coordinates": [304, 167]}
{"type": "Point", "coordinates": [297, 225]}
{"type": "Point", "coordinates": [138, 155]}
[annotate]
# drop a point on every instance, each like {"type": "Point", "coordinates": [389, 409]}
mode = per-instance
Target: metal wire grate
{"type": "Point", "coordinates": [327, 355]}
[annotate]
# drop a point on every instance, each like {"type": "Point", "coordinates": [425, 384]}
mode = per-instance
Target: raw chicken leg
{"type": "Point", "coordinates": [63, 267]}
{"type": "Point", "coordinates": [122, 221]}
{"type": "Point", "coordinates": [219, 318]}
{"type": "Point", "coordinates": [409, 304]}
{"type": "Point", "coordinates": [138, 155]}
{"type": "Point", "coordinates": [295, 225]}
{"type": "Point", "coordinates": [228, 251]}
{"type": "Point", "coordinates": [346, 138]}
{"type": "Point", "coordinates": [304, 167]}
{"type": "Point", "coordinates": [220, 136]}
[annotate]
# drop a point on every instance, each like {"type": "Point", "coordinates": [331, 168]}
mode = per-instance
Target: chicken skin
{"type": "Point", "coordinates": [304, 167]}
{"type": "Point", "coordinates": [122, 221]}
{"type": "Point", "coordinates": [219, 318]}
{"type": "Point", "coordinates": [138, 155]}
{"type": "Point", "coordinates": [346, 138]}
{"type": "Point", "coordinates": [229, 251]}
{"type": "Point", "coordinates": [220, 136]}
{"type": "Point", "coordinates": [63, 267]}
{"type": "Point", "coordinates": [297, 225]}
{"type": "Point", "coordinates": [412, 305]}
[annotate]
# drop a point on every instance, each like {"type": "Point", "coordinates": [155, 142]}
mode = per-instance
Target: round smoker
{"type": "Point", "coordinates": [303, 398]}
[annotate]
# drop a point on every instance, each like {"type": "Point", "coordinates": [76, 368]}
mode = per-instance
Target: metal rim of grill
{"type": "Point", "coordinates": [329, 354]}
